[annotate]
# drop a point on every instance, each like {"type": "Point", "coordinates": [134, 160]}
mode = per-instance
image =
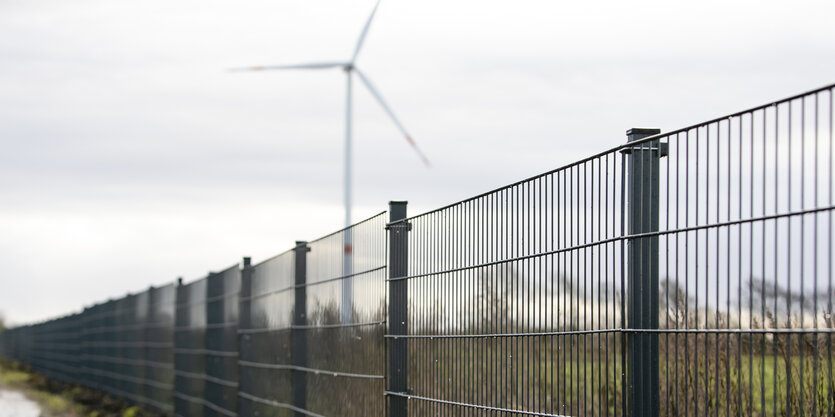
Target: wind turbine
{"type": "Point", "coordinates": [350, 68]}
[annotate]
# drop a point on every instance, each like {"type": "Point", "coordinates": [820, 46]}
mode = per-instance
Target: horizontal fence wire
{"type": "Point", "coordinates": [679, 273]}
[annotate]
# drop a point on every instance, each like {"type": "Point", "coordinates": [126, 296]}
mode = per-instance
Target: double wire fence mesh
{"type": "Point", "coordinates": [683, 273]}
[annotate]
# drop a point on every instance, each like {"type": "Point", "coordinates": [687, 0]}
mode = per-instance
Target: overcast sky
{"type": "Point", "coordinates": [130, 157]}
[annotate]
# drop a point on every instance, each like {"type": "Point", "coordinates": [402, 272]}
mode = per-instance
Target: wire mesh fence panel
{"type": "Point", "coordinates": [86, 321]}
{"type": "Point", "coordinates": [102, 348]}
{"type": "Point", "coordinates": [346, 349]}
{"type": "Point", "coordinates": [513, 295]}
{"type": "Point", "coordinates": [88, 350]}
{"type": "Point", "coordinates": [127, 336]}
{"type": "Point", "coordinates": [266, 306]}
{"type": "Point", "coordinates": [190, 349]}
{"type": "Point", "coordinates": [134, 323]}
{"type": "Point", "coordinates": [112, 344]}
{"type": "Point", "coordinates": [55, 349]}
{"type": "Point", "coordinates": [39, 357]}
{"type": "Point", "coordinates": [26, 345]}
{"type": "Point", "coordinates": [745, 259]}
{"type": "Point", "coordinates": [61, 351]}
{"type": "Point", "coordinates": [16, 342]}
{"type": "Point", "coordinates": [7, 337]}
{"type": "Point", "coordinates": [72, 346]}
{"type": "Point", "coordinates": [123, 347]}
{"type": "Point", "coordinates": [223, 289]}
{"type": "Point", "coordinates": [683, 273]}
{"type": "Point", "coordinates": [159, 348]}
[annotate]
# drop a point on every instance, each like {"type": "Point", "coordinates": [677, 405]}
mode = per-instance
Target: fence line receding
{"type": "Point", "coordinates": [680, 273]}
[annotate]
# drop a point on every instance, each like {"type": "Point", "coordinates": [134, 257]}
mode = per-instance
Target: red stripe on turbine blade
{"type": "Point", "coordinates": [414, 145]}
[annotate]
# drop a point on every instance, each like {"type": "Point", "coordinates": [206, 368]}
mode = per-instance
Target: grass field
{"type": "Point", "coordinates": [715, 375]}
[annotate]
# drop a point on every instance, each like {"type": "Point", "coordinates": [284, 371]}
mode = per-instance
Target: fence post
{"type": "Point", "coordinates": [244, 313]}
{"type": "Point", "coordinates": [398, 314]}
{"type": "Point", "coordinates": [299, 334]}
{"type": "Point", "coordinates": [244, 309]}
{"type": "Point", "coordinates": [642, 295]}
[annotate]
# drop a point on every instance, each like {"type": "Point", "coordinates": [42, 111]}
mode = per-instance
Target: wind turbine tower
{"type": "Point", "coordinates": [350, 68]}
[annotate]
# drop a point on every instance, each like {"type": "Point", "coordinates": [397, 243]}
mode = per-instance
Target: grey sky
{"type": "Point", "coordinates": [130, 157]}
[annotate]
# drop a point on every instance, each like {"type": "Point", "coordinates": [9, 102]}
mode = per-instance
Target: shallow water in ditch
{"type": "Point", "coordinates": [14, 404]}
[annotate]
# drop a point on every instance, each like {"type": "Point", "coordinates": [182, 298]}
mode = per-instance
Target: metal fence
{"type": "Point", "coordinates": [683, 273]}
{"type": "Point", "coordinates": [122, 347]}
{"type": "Point", "coordinates": [222, 293]}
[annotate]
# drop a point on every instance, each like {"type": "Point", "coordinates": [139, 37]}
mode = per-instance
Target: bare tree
{"type": "Point", "coordinates": [673, 301]}
{"type": "Point", "coordinates": [775, 299]}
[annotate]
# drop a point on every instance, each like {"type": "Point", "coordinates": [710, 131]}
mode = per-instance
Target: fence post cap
{"type": "Point", "coordinates": [397, 210]}
{"type": "Point", "coordinates": [302, 245]}
{"type": "Point", "coordinates": [640, 132]}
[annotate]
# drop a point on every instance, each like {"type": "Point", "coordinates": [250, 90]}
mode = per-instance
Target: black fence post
{"type": "Point", "coordinates": [244, 310]}
{"type": "Point", "coordinates": [246, 290]}
{"type": "Point", "coordinates": [642, 295]}
{"type": "Point", "coordinates": [299, 334]}
{"type": "Point", "coordinates": [244, 322]}
{"type": "Point", "coordinates": [398, 306]}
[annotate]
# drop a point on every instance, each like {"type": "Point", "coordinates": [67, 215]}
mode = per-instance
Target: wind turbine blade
{"type": "Point", "coordinates": [364, 32]}
{"type": "Point", "coordinates": [391, 115]}
{"type": "Point", "coordinates": [315, 65]}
